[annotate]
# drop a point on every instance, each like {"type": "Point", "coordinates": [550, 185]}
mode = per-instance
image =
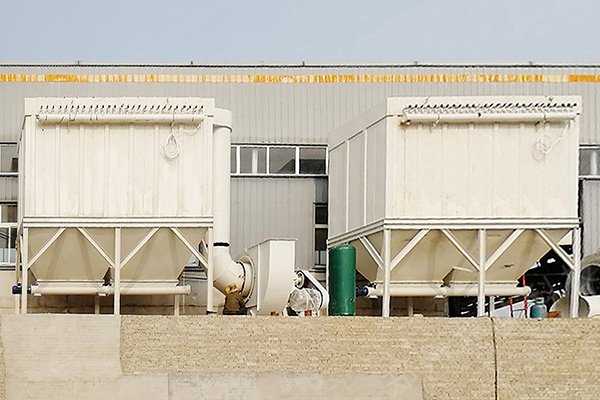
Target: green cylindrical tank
{"type": "Point", "coordinates": [539, 309]}
{"type": "Point", "coordinates": [342, 280]}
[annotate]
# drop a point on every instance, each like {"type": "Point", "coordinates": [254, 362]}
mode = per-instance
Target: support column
{"type": "Point", "coordinates": [411, 307]}
{"type": "Point", "coordinates": [576, 273]}
{"type": "Point", "coordinates": [176, 306]}
{"type": "Point", "coordinates": [24, 269]}
{"type": "Point", "coordinates": [210, 275]}
{"type": "Point", "coordinates": [117, 296]}
{"type": "Point", "coordinates": [492, 305]}
{"type": "Point", "coordinates": [481, 283]}
{"type": "Point", "coordinates": [96, 304]}
{"type": "Point", "coordinates": [385, 304]}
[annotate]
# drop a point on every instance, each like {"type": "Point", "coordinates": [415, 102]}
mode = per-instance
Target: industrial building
{"type": "Point", "coordinates": [282, 116]}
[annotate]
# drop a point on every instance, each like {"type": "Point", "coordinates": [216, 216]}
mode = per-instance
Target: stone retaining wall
{"type": "Point", "coordinates": [44, 356]}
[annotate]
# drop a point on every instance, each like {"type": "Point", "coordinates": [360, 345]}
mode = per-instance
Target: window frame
{"type": "Point", "coordinates": [6, 173]}
{"type": "Point", "coordinates": [268, 147]}
{"type": "Point", "coordinates": [596, 160]}
{"type": "Point", "coordinates": [316, 253]}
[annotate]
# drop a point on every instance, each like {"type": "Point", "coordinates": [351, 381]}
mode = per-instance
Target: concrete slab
{"type": "Point", "coordinates": [125, 387]}
{"type": "Point", "coordinates": [42, 350]}
{"type": "Point", "coordinates": [292, 386]}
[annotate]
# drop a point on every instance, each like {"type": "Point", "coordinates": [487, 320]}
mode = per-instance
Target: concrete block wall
{"type": "Point", "coordinates": [548, 359]}
{"type": "Point", "coordinates": [158, 357]}
{"type": "Point", "coordinates": [455, 358]}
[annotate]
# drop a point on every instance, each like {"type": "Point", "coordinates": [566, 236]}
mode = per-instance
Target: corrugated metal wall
{"type": "Point", "coordinates": [264, 208]}
{"type": "Point", "coordinates": [295, 104]}
{"type": "Point", "coordinates": [590, 214]}
{"type": "Point", "coordinates": [9, 188]}
{"type": "Point", "coordinates": [292, 104]}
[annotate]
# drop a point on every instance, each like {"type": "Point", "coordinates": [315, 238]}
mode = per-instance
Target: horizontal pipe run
{"type": "Point", "coordinates": [120, 118]}
{"type": "Point", "coordinates": [109, 290]}
{"type": "Point", "coordinates": [445, 291]}
{"type": "Point", "coordinates": [488, 117]}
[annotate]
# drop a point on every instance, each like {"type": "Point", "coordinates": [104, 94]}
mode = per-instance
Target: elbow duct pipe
{"type": "Point", "coordinates": [226, 271]}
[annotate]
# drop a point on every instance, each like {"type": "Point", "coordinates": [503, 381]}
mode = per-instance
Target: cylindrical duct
{"type": "Point", "coordinates": [419, 290]}
{"type": "Point", "coordinates": [226, 271]}
{"type": "Point", "coordinates": [120, 118]}
{"type": "Point", "coordinates": [488, 117]}
{"type": "Point", "coordinates": [590, 280]}
{"type": "Point", "coordinates": [342, 280]}
{"type": "Point", "coordinates": [589, 306]}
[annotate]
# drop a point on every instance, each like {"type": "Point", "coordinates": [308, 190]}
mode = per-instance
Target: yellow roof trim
{"type": "Point", "coordinates": [407, 78]}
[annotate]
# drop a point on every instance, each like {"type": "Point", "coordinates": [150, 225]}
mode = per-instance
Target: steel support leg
{"type": "Point", "coordinates": [385, 304]}
{"type": "Point", "coordinates": [210, 274]}
{"type": "Point", "coordinates": [481, 285]}
{"type": "Point", "coordinates": [24, 270]}
{"type": "Point", "coordinates": [575, 283]}
{"type": "Point", "coordinates": [117, 296]}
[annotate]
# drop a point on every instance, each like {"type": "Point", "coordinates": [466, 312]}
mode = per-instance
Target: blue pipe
{"type": "Point", "coordinates": [18, 289]}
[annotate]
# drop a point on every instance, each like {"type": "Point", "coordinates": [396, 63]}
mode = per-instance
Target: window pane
{"type": "Point", "coordinates": [253, 160]}
{"type": "Point", "coordinates": [588, 161]}
{"type": "Point", "coordinates": [9, 213]}
{"type": "Point", "coordinates": [7, 245]}
{"type": "Point", "coordinates": [312, 160]}
{"type": "Point", "coordinates": [4, 239]}
{"type": "Point", "coordinates": [320, 259]}
{"type": "Point", "coordinates": [233, 167]}
{"type": "Point", "coordinates": [321, 214]}
{"type": "Point", "coordinates": [320, 239]}
{"type": "Point", "coordinates": [282, 160]}
{"type": "Point", "coordinates": [13, 238]}
{"type": "Point", "coordinates": [8, 158]}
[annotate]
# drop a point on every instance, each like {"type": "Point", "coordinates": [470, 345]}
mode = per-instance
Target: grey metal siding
{"type": "Point", "coordinates": [264, 208]}
{"type": "Point", "coordinates": [284, 112]}
{"type": "Point", "coordinates": [590, 214]}
{"type": "Point", "coordinates": [9, 188]}
{"type": "Point", "coordinates": [300, 112]}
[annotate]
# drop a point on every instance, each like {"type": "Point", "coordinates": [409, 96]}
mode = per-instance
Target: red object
{"type": "Point", "coordinates": [525, 299]}
{"type": "Point", "coordinates": [512, 310]}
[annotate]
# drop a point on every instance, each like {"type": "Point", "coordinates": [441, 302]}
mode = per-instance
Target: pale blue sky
{"type": "Point", "coordinates": [336, 31]}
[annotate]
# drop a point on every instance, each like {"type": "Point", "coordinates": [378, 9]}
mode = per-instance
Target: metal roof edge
{"type": "Point", "coordinates": [192, 65]}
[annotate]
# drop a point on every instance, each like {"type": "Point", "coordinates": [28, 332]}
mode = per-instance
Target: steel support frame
{"type": "Point", "coordinates": [481, 264]}
{"type": "Point", "coordinates": [573, 262]}
{"type": "Point", "coordinates": [24, 262]}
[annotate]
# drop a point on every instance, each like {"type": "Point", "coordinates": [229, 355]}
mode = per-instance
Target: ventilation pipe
{"type": "Point", "coordinates": [226, 271]}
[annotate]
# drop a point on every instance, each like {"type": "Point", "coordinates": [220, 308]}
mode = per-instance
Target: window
{"type": "Point", "coordinates": [282, 160]}
{"type": "Point", "coordinates": [320, 234]}
{"type": "Point", "coordinates": [8, 159]}
{"type": "Point", "coordinates": [312, 160]}
{"type": "Point", "coordinates": [589, 157]}
{"type": "Point", "coordinates": [8, 237]}
{"type": "Point", "coordinates": [278, 160]}
{"type": "Point", "coordinates": [9, 212]}
{"type": "Point", "coordinates": [253, 160]}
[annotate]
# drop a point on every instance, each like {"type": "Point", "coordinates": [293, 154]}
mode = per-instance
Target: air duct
{"type": "Point", "coordinates": [226, 271]}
